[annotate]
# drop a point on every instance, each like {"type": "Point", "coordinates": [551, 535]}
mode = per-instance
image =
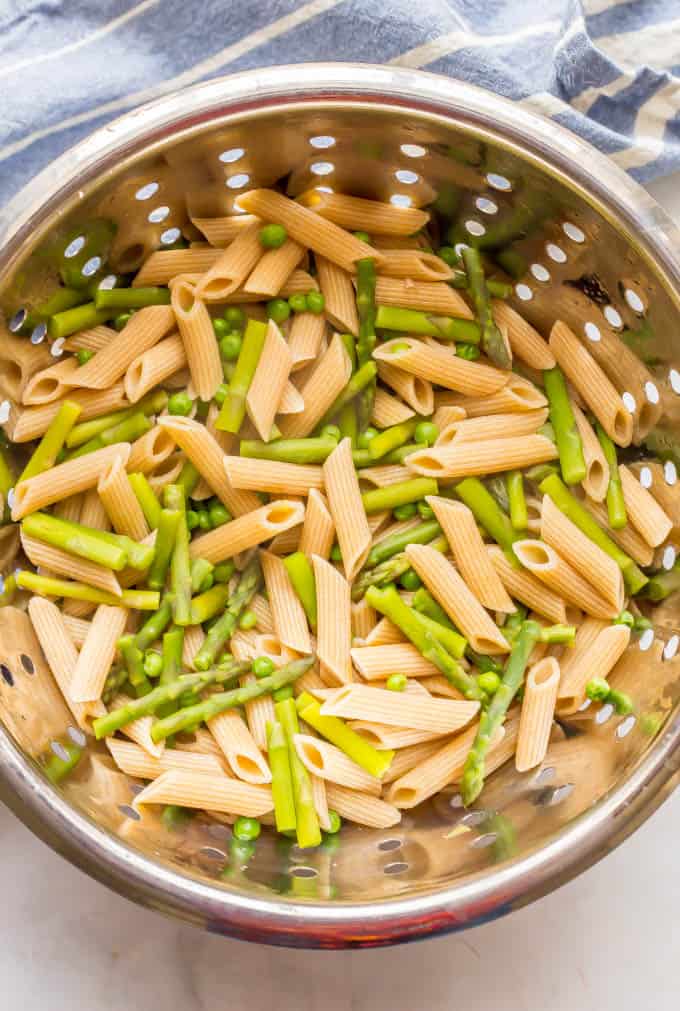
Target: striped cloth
{"type": "Point", "coordinates": [607, 69]}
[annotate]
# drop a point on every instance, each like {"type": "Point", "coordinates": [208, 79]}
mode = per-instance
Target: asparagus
{"type": "Point", "coordinates": [388, 602]}
{"type": "Point", "coordinates": [82, 317]}
{"type": "Point", "coordinates": [413, 321]}
{"type": "Point", "coordinates": [348, 423]}
{"type": "Point", "coordinates": [389, 570]}
{"type": "Point", "coordinates": [222, 630]}
{"type": "Point", "coordinates": [422, 534]}
{"type": "Point", "coordinates": [53, 440]}
{"type": "Point", "coordinates": [362, 457]}
{"type": "Point", "coordinates": [152, 403]}
{"type": "Point", "coordinates": [147, 705]}
{"type": "Point", "coordinates": [362, 378]}
{"type": "Point", "coordinates": [59, 765]}
{"type": "Point", "coordinates": [130, 298]}
{"type": "Point", "coordinates": [282, 784]}
{"type": "Point", "coordinates": [452, 641]}
{"type": "Point", "coordinates": [633, 577]}
{"type": "Point", "coordinates": [492, 340]}
{"type": "Point", "coordinates": [394, 495]}
{"type": "Point", "coordinates": [366, 277]}
{"type": "Point", "coordinates": [76, 539]}
{"type": "Point", "coordinates": [154, 626]}
{"type": "Point", "coordinates": [166, 537]}
{"type": "Point", "coordinates": [424, 603]}
{"type": "Point", "coordinates": [315, 450]}
{"type": "Point", "coordinates": [7, 482]}
{"type": "Point", "coordinates": [494, 715]}
{"type": "Point", "coordinates": [220, 702]}
{"type": "Point", "coordinates": [188, 478]}
{"type": "Point", "coordinates": [114, 682]}
{"type": "Point", "coordinates": [201, 569]}
{"type": "Point", "coordinates": [140, 556]}
{"type": "Point", "coordinates": [517, 501]}
{"type": "Point", "coordinates": [351, 349]}
{"type": "Point", "coordinates": [307, 826]}
{"type": "Point", "coordinates": [208, 604]}
{"type": "Point", "coordinates": [392, 438]}
{"type": "Point", "coordinates": [171, 655]}
{"type": "Point", "coordinates": [133, 658]}
{"type": "Point", "coordinates": [233, 409]}
{"type": "Point", "coordinates": [487, 513]}
{"type": "Point", "coordinates": [59, 300]}
{"type": "Point", "coordinates": [301, 575]}
{"type": "Point", "coordinates": [46, 586]}
{"type": "Point", "coordinates": [662, 584]}
{"type": "Point", "coordinates": [128, 430]}
{"type": "Point", "coordinates": [180, 564]}
{"type": "Point", "coordinates": [496, 289]}
{"type": "Point", "coordinates": [335, 730]}
{"type": "Point", "coordinates": [569, 446]}
{"type": "Point", "coordinates": [147, 499]}
{"type": "Point", "coordinates": [616, 506]}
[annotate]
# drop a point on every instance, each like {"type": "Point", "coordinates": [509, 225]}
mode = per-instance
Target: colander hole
{"type": "Point", "coordinates": [74, 247]}
{"type": "Point", "coordinates": [169, 236]}
{"type": "Point", "coordinates": [670, 472]}
{"type": "Point", "coordinates": [671, 647]}
{"type": "Point", "coordinates": [396, 867]}
{"type": "Point", "coordinates": [584, 705]}
{"type": "Point", "coordinates": [27, 664]}
{"type": "Point", "coordinates": [91, 266]}
{"type": "Point", "coordinates": [57, 348]}
{"type": "Point", "coordinates": [668, 557]}
{"type": "Point", "coordinates": [480, 842]}
{"type": "Point", "coordinates": [107, 283]}
{"type": "Point", "coordinates": [473, 818]}
{"type": "Point", "coordinates": [674, 378]}
{"type": "Point", "coordinates": [629, 402]}
{"type": "Point", "coordinates": [298, 854]}
{"type": "Point", "coordinates": [322, 168]}
{"type": "Point", "coordinates": [7, 675]}
{"type": "Point", "coordinates": [135, 788]}
{"type": "Point", "coordinates": [389, 844]}
{"type": "Point", "coordinates": [625, 727]}
{"type": "Point", "coordinates": [17, 320]}
{"type": "Point", "coordinates": [605, 713]}
{"type": "Point", "coordinates": [646, 639]}
{"type": "Point", "coordinates": [540, 272]}
{"type": "Point", "coordinates": [39, 333]}
{"type": "Point", "coordinates": [146, 192]}
{"type": "Point", "coordinates": [4, 411]}
{"type": "Point", "coordinates": [545, 775]}
{"type": "Point", "coordinates": [303, 872]}
{"type": "Point", "coordinates": [413, 150]}
{"type": "Point", "coordinates": [456, 801]}
{"type": "Point", "coordinates": [77, 736]}
{"type": "Point", "coordinates": [475, 227]}
{"type": "Point", "coordinates": [486, 206]}
{"type": "Point", "coordinates": [10, 500]}
{"type": "Point", "coordinates": [613, 317]}
{"type": "Point", "coordinates": [324, 189]}
{"type": "Point", "coordinates": [561, 793]}
{"type": "Point", "coordinates": [400, 200]}
{"type": "Point", "coordinates": [459, 247]}
{"type": "Point", "coordinates": [498, 182]}
{"type": "Point", "coordinates": [646, 477]}
{"type": "Point", "coordinates": [158, 214]}
{"type": "Point", "coordinates": [524, 292]}
{"type": "Point", "coordinates": [232, 155]}
{"type": "Point", "coordinates": [573, 232]}
{"type": "Point", "coordinates": [59, 750]}
{"type": "Point", "coordinates": [238, 181]}
{"type": "Point", "coordinates": [556, 253]}
{"type": "Point", "coordinates": [634, 301]}
{"type": "Point", "coordinates": [212, 853]}
{"type": "Point", "coordinates": [324, 140]}
{"type": "Point", "coordinates": [406, 176]}
{"type": "Point", "coordinates": [129, 812]}
{"type": "Point", "coordinates": [651, 392]}
{"type": "Point", "coordinates": [592, 332]}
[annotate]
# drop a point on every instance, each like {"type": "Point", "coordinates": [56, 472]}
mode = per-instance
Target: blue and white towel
{"type": "Point", "coordinates": [607, 69]}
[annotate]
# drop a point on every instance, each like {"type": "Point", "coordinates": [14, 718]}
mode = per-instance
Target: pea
{"type": "Point", "coordinates": [180, 403]}
{"type": "Point", "coordinates": [235, 317]}
{"type": "Point", "coordinates": [316, 303]}
{"type": "Point", "coordinates": [598, 689]}
{"type": "Point", "coordinates": [272, 236]}
{"type": "Point", "coordinates": [410, 580]}
{"type": "Point", "coordinates": [262, 666]}
{"type": "Point", "coordinates": [449, 255]}
{"type": "Point", "coordinates": [230, 346]}
{"type": "Point", "coordinates": [396, 683]}
{"type": "Point", "coordinates": [298, 302]}
{"type": "Point", "coordinates": [281, 694]}
{"type": "Point", "coordinates": [219, 514]}
{"type": "Point", "coordinates": [192, 519]}
{"type": "Point", "coordinates": [220, 326]}
{"type": "Point", "coordinates": [336, 553]}
{"type": "Point", "coordinates": [204, 520]}
{"type": "Point", "coordinates": [405, 512]}
{"type": "Point", "coordinates": [365, 437]}
{"type": "Point", "coordinates": [623, 704]}
{"type": "Point", "coordinates": [331, 432]}
{"type": "Point", "coordinates": [84, 356]}
{"type": "Point", "coordinates": [278, 310]}
{"type": "Point", "coordinates": [221, 394]}
{"type": "Point", "coordinates": [489, 682]}
{"type": "Point", "coordinates": [425, 511]}
{"type": "Point", "coordinates": [246, 829]}
{"type": "Point", "coordinates": [153, 664]}
{"type": "Point", "coordinates": [334, 821]}
{"type": "Point", "coordinates": [625, 618]}
{"type": "Point", "coordinates": [426, 433]}
{"type": "Point", "coordinates": [121, 320]}
{"type": "Point", "coordinates": [247, 620]}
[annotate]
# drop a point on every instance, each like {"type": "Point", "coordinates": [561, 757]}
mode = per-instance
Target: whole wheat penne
{"type": "Point", "coordinates": [400, 709]}
{"type": "Point", "coordinates": [548, 566]}
{"type": "Point", "coordinates": [144, 329]}
{"type": "Point", "coordinates": [232, 267]}
{"type": "Point", "coordinates": [259, 712]}
{"type": "Point", "coordinates": [495, 426]}
{"type": "Point", "coordinates": [192, 642]}
{"type": "Point", "coordinates": [269, 381]}
{"type": "Point", "coordinates": [385, 633]}
{"type": "Point", "coordinates": [307, 228]}
{"type": "Point", "coordinates": [429, 296]}
{"type": "Point", "coordinates": [454, 595]}
{"type": "Point", "coordinates": [334, 623]}
{"type": "Point", "coordinates": [592, 384]}
{"type": "Point", "coordinates": [538, 708]}
{"type": "Point", "coordinates": [318, 529]}
{"type": "Point", "coordinates": [438, 685]}
{"type": "Point", "coordinates": [330, 763]}
{"type": "Point", "coordinates": [287, 542]}
{"type": "Point", "coordinates": [153, 366]}
{"type": "Point", "coordinates": [406, 759]}
{"type": "Point", "coordinates": [489, 457]}
{"type": "Point", "coordinates": [93, 339]}
{"type": "Point", "coordinates": [518, 394]}
{"type": "Point", "coordinates": [221, 231]}
{"type": "Point", "coordinates": [326, 381]}
{"type": "Point", "coordinates": [77, 628]}
{"type": "Point", "coordinates": [260, 606]}
{"type": "Point", "coordinates": [469, 553]}
{"type": "Point", "coordinates": [661, 481]}
{"type": "Point", "coordinates": [440, 365]}
{"type": "Point", "coordinates": [207, 792]}
{"type": "Point", "coordinates": [446, 415]}
{"type": "Point", "coordinates": [134, 761]}
{"type": "Point", "coordinates": [274, 268]}
{"type": "Point", "coordinates": [389, 410]}
{"type": "Point", "coordinates": [60, 652]}
{"type": "Point", "coordinates": [291, 402]}
{"type": "Point", "coordinates": [247, 531]}
{"type": "Point", "coordinates": [367, 215]}
{"type": "Point", "coordinates": [361, 808]}
{"type": "Point", "coordinates": [120, 501]}
{"type": "Point", "coordinates": [69, 508]}
{"type": "Point", "coordinates": [65, 479]}
{"type": "Point", "coordinates": [346, 507]}
{"type": "Point", "coordinates": [320, 800]}
{"type": "Point", "coordinates": [96, 655]}
{"type": "Point", "coordinates": [375, 662]}
{"type": "Point", "coordinates": [207, 457]}
{"type": "Point", "coordinates": [644, 512]}
{"type": "Point", "coordinates": [338, 292]}
{"type": "Point", "coordinates": [581, 553]}
{"type": "Point", "coordinates": [416, 392]}
{"type": "Point", "coordinates": [384, 737]}
{"type": "Point", "coordinates": [239, 748]}
{"type": "Point", "coordinates": [415, 264]}
{"type": "Point", "coordinates": [305, 337]}
{"type": "Point", "coordinates": [166, 264]}
{"type": "Point", "coordinates": [64, 564]}
{"type": "Point", "coordinates": [198, 337]}
{"type": "Point", "coordinates": [150, 451]}
{"type": "Point", "coordinates": [300, 281]}
{"type": "Point", "coordinates": [364, 618]}
{"type": "Point", "coordinates": [385, 475]}
{"type": "Point", "coordinates": [139, 731]}
{"type": "Point", "coordinates": [288, 615]}
{"type": "Point", "coordinates": [273, 477]}
{"type": "Point", "coordinates": [29, 423]}
{"type": "Point", "coordinates": [526, 343]}
{"type": "Point", "coordinates": [243, 644]}
{"type": "Point", "coordinates": [92, 513]}
{"type": "Point", "coordinates": [627, 537]}
{"type": "Point", "coordinates": [51, 383]}
{"type": "Point", "coordinates": [607, 646]}
{"type": "Point", "coordinates": [20, 359]}
{"type": "Point", "coordinates": [596, 481]}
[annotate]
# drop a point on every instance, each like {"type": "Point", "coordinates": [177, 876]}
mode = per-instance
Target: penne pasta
{"type": "Point", "coordinates": [259, 712]}
{"type": "Point", "coordinates": [416, 392]}
{"type": "Point", "coordinates": [208, 792]}
{"type": "Point", "coordinates": [239, 748]}
{"type": "Point", "coordinates": [596, 659]}
{"type": "Point", "coordinates": [274, 268]}
{"type": "Point", "coordinates": [328, 762]}
{"type": "Point", "coordinates": [627, 537]}
{"type": "Point", "coordinates": [29, 423]}
{"type": "Point", "coordinates": [385, 633]}
{"type": "Point", "coordinates": [68, 478]}
{"type": "Point", "coordinates": [492, 456]}
{"type": "Point", "coordinates": [338, 292]}
{"type": "Point", "coordinates": [538, 707]}
{"type": "Point", "coordinates": [269, 382]}
{"type": "Point", "coordinates": [96, 655]}
{"type": "Point", "coordinates": [139, 731]}
{"type": "Point", "coordinates": [376, 660]}
{"type": "Point", "coordinates": [288, 615]}
{"type": "Point", "coordinates": [361, 808]}
{"type": "Point", "coordinates": [198, 337]}
{"type": "Point", "coordinates": [525, 342]}
{"type": "Point", "coordinates": [389, 410]}
{"type": "Point", "coordinates": [51, 383]}
{"type": "Point", "coordinates": [415, 264]}
{"type": "Point", "coordinates": [144, 329]}
{"type": "Point", "coordinates": [221, 231]}
{"type": "Point", "coordinates": [131, 759]}
{"type": "Point", "coordinates": [364, 618]}
{"type": "Point", "coordinates": [400, 709]}
{"type": "Point", "coordinates": [61, 563]}
{"type": "Point", "coordinates": [346, 508]}
{"type": "Point", "coordinates": [334, 623]}
{"type": "Point", "coordinates": [120, 502]}
{"type": "Point", "coordinates": [247, 531]}
{"type": "Point", "coordinates": [232, 267]}
{"type": "Point", "coordinates": [548, 566]}
{"type": "Point", "coordinates": [367, 215]}
{"type": "Point", "coordinates": [644, 512]}
{"type": "Point", "coordinates": [661, 481]}
{"type": "Point", "coordinates": [94, 339]}
{"type": "Point", "coordinates": [305, 338]}
{"type": "Point", "coordinates": [320, 800]}
{"type": "Point", "coordinates": [77, 628]}
{"type": "Point", "coordinates": [151, 451]}
{"type": "Point", "coordinates": [495, 426]}
{"type": "Point", "coordinates": [19, 360]}
{"type": "Point", "coordinates": [517, 395]}
{"type": "Point", "coordinates": [273, 477]}
{"type": "Point", "coordinates": [166, 264]}
{"type": "Point", "coordinates": [596, 481]}
{"type": "Point", "coordinates": [325, 383]}
{"type": "Point", "coordinates": [152, 367]}
{"type": "Point", "coordinates": [429, 296]}
{"type": "Point", "coordinates": [318, 529]}
{"type": "Point", "coordinates": [439, 365]}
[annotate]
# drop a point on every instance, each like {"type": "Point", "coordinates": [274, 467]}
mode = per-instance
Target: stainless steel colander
{"type": "Point", "coordinates": [583, 243]}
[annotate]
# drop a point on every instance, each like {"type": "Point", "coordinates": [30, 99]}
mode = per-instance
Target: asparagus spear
{"type": "Point", "coordinates": [128, 430]}
{"type": "Point", "coordinates": [392, 438]}
{"type": "Point", "coordinates": [188, 478]}
{"type": "Point", "coordinates": [114, 682]}
{"type": "Point", "coordinates": [362, 378]}
{"type": "Point", "coordinates": [130, 298]}
{"type": "Point", "coordinates": [412, 321]}
{"type": "Point", "coordinates": [338, 733]}
{"type": "Point", "coordinates": [616, 507]}
{"type": "Point", "coordinates": [301, 576]}
{"type": "Point", "coordinates": [53, 440]}
{"type": "Point", "coordinates": [492, 339]}
{"type": "Point", "coordinates": [362, 457]}
{"type": "Point", "coordinates": [146, 497]}
{"type": "Point", "coordinates": [233, 409]}
{"type": "Point", "coordinates": [662, 584]}
{"type": "Point", "coordinates": [282, 783]}
{"type": "Point", "coordinates": [452, 641]}
{"type": "Point", "coordinates": [152, 403]}
{"type": "Point", "coordinates": [206, 605]}
{"type": "Point", "coordinates": [58, 766]}
{"type": "Point", "coordinates": [46, 586]}
{"type": "Point", "coordinates": [166, 537]}
{"type": "Point", "coordinates": [82, 317]}
{"type": "Point", "coordinates": [153, 627]}
{"type": "Point", "coordinates": [133, 658]}
{"type": "Point", "coordinates": [314, 450]}
{"type": "Point", "coordinates": [180, 563]}
{"type": "Point", "coordinates": [307, 826]}
{"type": "Point", "coordinates": [171, 655]}
{"type": "Point", "coordinates": [394, 495]}
{"type": "Point", "coordinates": [76, 539]}
{"type": "Point", "coordinates": [422, 534]}
{"type": "Point", "coordinates": [219, 703]}
{"type": "Point", "coordinates": [389, 570]}
{"type": "Point", "coordinates": [7, 482]}
{"type": "Point", "coordinates": [366, 277]}
{"type": "Point", "coordinates": [348, 423]}
{"type": "Point", "coordinates": [497, 525]}
{"type": "Point", "coordinates": [201, 569]}
{"type": "Point", "coordinates": [222, 630]}
{"type": "Point", "coordinates": [569, 445]}
{"type": "Point", "coordinates": [517, 501]}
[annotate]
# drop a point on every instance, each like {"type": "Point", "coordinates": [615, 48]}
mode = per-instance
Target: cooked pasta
{"type": "Point", "coordinates": [239, 747]}
{"type": "Point", "coordinates": [221, 231]}
{"type": "Point", "coordinates": [31, 422]}
{"type": "Point", "coordinates": [413, 390]}
{"type": "Point", "coordinates": [305, 338]}
{"type": "Point", "coordinates": [377, 660]}
{"type": "Point", "coordinates": [644, 512]}
{"type": "Point", "coordinates": [274, 268]}
{"type": "Point", "coordinates": [538, 707]}
{"type": "Point", "coordinates": [361, 808]}
{"type": "Point", "coordinates": [120, 501]}
{"type": "Point", "coordinates": [595, 660]}
{"type": "Point", "coordinates": [65, 479]}
{"type": "Point", "coordinates": [61, 563]}
{"type": "Point", "coordinates": [389, 410]}
{"type": "Point", "coordinates": [247, 531]}
{"type": "Point", "coordinates": [369, 215]}
{"type": "Point", "coordinates": [198, 338]}
{"type": "Point", "coordinates": [233, 266]}
{"type": "Point", "coordinates": [429, 296]}
{"type": "Point", "coordinates": [334, 620]}
{"type": "Point", "coordinates": [143, 330]}
{"type": "Point", "coordinates": [165, 264]}
{"type": "Point", "coordinates": [596, 481]}
{"type": "Point", "coordinates": [51, 383]}
{"type": "Point", "coordinates": [496, 426]}
{"type": "Point", "coordinates": [133, 760]}
{"type": "Point", "coordinates": [318, 529]}
{"type": "Point", "coordinates": [458, 460]}
{"type": "Point", "coordinates": [328, 762]}
{"type": "Point", "coordinates": [96, 655]}
{"type": "Point", "coordinates": [549, 566]}
{"type": "Point", "coordinates": [439, 365]}
{"type": "Point", "coordinates": [288, 615]}
{"type": "Point", "coordinates": [150, 451]}
{"type": "Point", "coordinates": [338, 292]}
{"type": "Point", "coordinates": [346, 508]}
{"type": "Point", "coordinates": [517, 395]}
{"type": "Point", "coordinates": [153, 366]}
{"type": "Point", "coordinates": [400, 709]}
{"type": "Point", "coordinates": [320, 390]}
{"type": "Point", "coordinates": [207, 791]}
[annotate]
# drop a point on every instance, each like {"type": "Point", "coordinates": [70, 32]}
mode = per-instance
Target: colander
{"type": "Point", "coordinates": [582, 242]}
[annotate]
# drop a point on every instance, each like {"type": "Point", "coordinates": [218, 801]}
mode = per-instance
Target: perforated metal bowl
{"type": "Point", "coordinates": [599, 253]}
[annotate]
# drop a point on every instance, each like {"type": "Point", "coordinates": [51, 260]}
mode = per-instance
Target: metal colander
{"type": "Point", "coordinates": [580, 241]}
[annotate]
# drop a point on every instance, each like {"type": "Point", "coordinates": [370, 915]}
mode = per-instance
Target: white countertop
{"type": "Point", "coordinates": [605, 942]}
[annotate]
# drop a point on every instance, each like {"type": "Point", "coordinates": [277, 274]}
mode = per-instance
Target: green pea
{"type": "Point", "coordinates": [650, 724]}
{"type": "Point", "coordinates": [363, 237]}
{"type": "Point", "coordinates": [489, 682]}
{"type": "Point", "coordinates": [625, 618]}
{"type": "Point", "coordinates": [426, 433]}
{"type": "Point", "coordinates": [272, 236]}
{"type": "Point", "coordinates": [298, 302]}
{"type": "Point", "coordinates": [219, 514]}
{"type": "Point", "coordinates": [470, 352]}
{"type": "Point", "coordinates": [598, 689]}
{"type": "Point", "coordinates": [204, 520]}
{"type": "Point", "coordinates": [221, 394]}
{"type": "Point", "coordinates": [331, 432]}
{"type": "Point", "coordinates": [247, 620]}
{"type": "Point", "coordinates": [241, 851]}
{"type": "Point", "coordinates": [425, 511]}
{"type": "Point", "coordinates": [334, 821]}
{"type": "Point", "coordinates": [84, 356]}
{"type": "Point", "coordinates": [208, 581]}
{"type": "Point", "coordinates": [153, 663]}
{"type": "Point", "coordinates": [316, 303]}
{"type": "Point", "coordinates": [192, 519]}
{"type": "Point", "coordinates": [121, 320]}
{"type": "Point", "coordinates": [281, 694]}
{"type": "Point", "coordinates": [223, 572]}
{"type": "Point", "coordinates": [230, 346]}
{"type": "Point", "coordinates": [180, 403]}
{"type": "Point", "coordinates": [365, 437]}
{"type": "Point", "coordinates": [235, 317]}
{"type": "Point", "coordinates": [336, 553]}
{"type": "Point", "coordinates": [246, 829]}
{"type": "Point", "coordinates": [278, 310]}
{"type": "Point", "coordinates": [405, 512]}
{"type": "Point", "coordinates": [641, 624]}
{"type": "Point", "coordinates": [623, 704]}
{"type": "Point", "coordinates": [396, 683]}
{"type": "Point", "coordinates": [262, 666]}
{"type": "Point", "coordinates": [410, 580]}
{"type": "Point", "coordinates": [449, 255]}
{"type": "Point", "coordinates": [220, 326]}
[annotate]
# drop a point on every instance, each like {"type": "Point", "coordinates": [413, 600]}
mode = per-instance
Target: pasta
{"type": "Point", "coordinates": [198, 338]}
{"type": "Point", "coordinates": [334, 618]}
{"type": "Point", "coordinates": [388, 410]}
{"type": "Point", "coordinates": [496, 426]}
{"type": "Point", "coordinates": [50, 384]}
{"type": "Point", "coordinates": [490, 457]}
{"type": "Point", "coordinates": [318, 530]}
{"type": "Point", "coordinates": [290, 621]}
{"type": "Point", "coordinates": [270, 476]}
{"type": "Point", "coordinates": [416, 392]}
{"type": "Point", "coordinates": [346, 508]}
{"type": "Point", "coordinates": [150, 451]}
{"type": "Point", "coordinates": [239, 748]}
{"type": "Point", "coordinates": [439, 365]}
{"type": "Point", "coordinates": [247, 531]}
{"type": "Point", "coordinates": [305, 338]}
{"type": "Point", "coordinates": [96, 655]}
{"type": "Point", "coordinates": [369, 215]}
{"type": "Point", "coordinates": [274, 268]}
{"type": "Point", "coordinates": [361, 807]}
{"type": "Point", "coordinates": [430, 296]}
{"type": "Point", "coordinates": [208, 792]}
{"type": "Point", "coordinates": [221, 231]}
{"type": "Point", "coordinates": [134, 761]}
{"type": "Point", "coordinates": [269, 381]}
{"type": "Point", "coordinates": [596, 659]}
{"type": "Point", "coordinates": [32, 422]}
{"type": "Point", "coordinates": [165, 264]}
{"type": "Point", "coordinates": [328, 762]}
{"type": "Point", "coordinates": [120, 502]}
{"type": "Point", "coordinates": [536, 719]}
{"type": "Point", "coordinates": [377, 660]}
{"type": "Point", "coordinates": [233, 266]}
{"type": "Point", "coordinates": [517, 395]}
{"type": "Point", "coordinates": [63, 564]}
{"type": "Point", "coordinates": [644, 512]}
{"type": "Point", "coordinates": [336, 288]}
{"type": "Point", "coordinates": [596, 481]}
{"type": "Point", "coordinates": [400, 709]}
{"type": "Point", "coordinates": [153, 366]}
{"type": "Point", "coordinates": [526, 343]}
{"type": "Point", "coordinates": [65, 479]}
{"type": "Point", "coordinates": [324, 384]}
{"type": "Point", "coordinates": [144, 329]}
{"type": "Point", "coordinates": [561, 578]}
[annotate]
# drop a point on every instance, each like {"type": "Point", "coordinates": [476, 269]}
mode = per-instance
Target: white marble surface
{"type": "Point", "coordinates": [605, 941]}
